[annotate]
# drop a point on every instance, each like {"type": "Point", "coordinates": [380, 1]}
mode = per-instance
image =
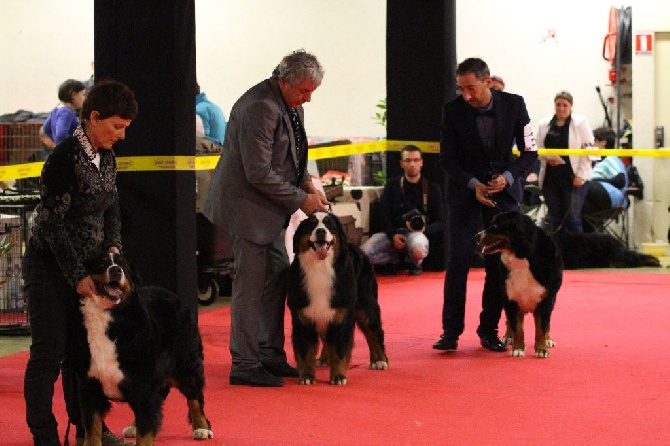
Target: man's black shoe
{"type": "Point", "coordinates": [256, 377]}
{"type": "Point", "coordinates": [446, 343]}
{"type": "Point", "coordinates": [491, 342]}
{"type": "Point", "coordinates": [281, 369]}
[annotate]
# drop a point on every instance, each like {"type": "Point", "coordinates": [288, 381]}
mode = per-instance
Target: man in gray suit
{"type": "Point", "coordinates": [260, 180]}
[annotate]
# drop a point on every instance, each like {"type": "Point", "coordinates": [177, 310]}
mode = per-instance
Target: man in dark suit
{"type": "Point", "coordinates": [260, 180]}
{"type": "Point", "coordinates": [483, 178]}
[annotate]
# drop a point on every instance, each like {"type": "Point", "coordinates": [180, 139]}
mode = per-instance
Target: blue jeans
{"type": "Point", "coordinates": [380, 250]}
{"type": "Point", "coordinates": [564, 206]}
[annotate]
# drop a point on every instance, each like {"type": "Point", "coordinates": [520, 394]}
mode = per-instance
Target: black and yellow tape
{"type": "Point", "coordinates": [180, 163]}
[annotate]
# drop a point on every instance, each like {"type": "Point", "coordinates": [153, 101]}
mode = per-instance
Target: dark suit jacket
{"type": "Point", "coordinates": [254, 188]}
{"type": "Point", "coordinates": [464, 156]}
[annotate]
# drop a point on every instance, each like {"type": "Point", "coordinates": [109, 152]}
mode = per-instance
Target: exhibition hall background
{"type": "Point", "coordinates": [538, 47]}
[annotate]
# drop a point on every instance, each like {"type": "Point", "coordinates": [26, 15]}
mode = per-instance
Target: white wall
{"type": "Point", "coordinates": [511, 37]}
{"type": "Point", "coordinates": [239, 43]}
{"type": "Point", "coordinates": [43, 43]}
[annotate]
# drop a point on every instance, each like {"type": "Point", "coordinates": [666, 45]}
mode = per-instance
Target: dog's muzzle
{"type": "Point", "coordinates": [321, 246]}
{"type": "Point", "coordinates": [112, 289]}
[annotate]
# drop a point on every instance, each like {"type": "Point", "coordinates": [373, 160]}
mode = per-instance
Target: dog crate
{"type": "Point", "coordinates": [18, 141]}
{"type": "Point", "coordinates": [13, 306]}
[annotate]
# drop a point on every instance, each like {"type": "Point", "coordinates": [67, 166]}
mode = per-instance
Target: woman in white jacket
{"type": "Point", "coordinates": [562, 178]}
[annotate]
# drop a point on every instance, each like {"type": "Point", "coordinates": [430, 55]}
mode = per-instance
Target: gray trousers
{"type": "Point", "coordinates": [258, 303]}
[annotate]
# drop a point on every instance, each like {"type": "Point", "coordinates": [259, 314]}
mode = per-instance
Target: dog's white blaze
{"type": "Point", "coordinates": [521, 285]}
{"type": "Point", "coordinates": [318, 283]}
{"type": "Point", "coordinates": [329, 236]}
{"type": "Point", "coordinates": [104, 362]}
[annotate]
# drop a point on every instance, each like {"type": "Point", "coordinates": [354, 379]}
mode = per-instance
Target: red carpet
{"type": "Point", "coordinates": [605, 383]}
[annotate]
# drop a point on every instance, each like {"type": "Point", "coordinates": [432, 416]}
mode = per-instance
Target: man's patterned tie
{"type": "Point", "coordinates": [295, 123]}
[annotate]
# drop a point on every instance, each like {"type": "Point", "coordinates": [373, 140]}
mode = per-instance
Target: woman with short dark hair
{"type": "Point", "coordinates": [77, 219]}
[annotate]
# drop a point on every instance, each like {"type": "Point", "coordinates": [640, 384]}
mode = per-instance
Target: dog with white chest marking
{"type": "Point", "coordinates": [534, 275]}
{"type": "Point", "coordinates": [141, 342]}
{"type": "Point", "coordinates": [331, 288]}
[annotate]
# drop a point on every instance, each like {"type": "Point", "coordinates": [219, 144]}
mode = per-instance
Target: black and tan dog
{"type": "Point", "coordinates": [534, 276]}
{"type": "Point", "coordinates": [332, 287]}
{"type": "Point", "coordinates": [600, 250]}
{"type": "Point", "coordinates": [142, 341]}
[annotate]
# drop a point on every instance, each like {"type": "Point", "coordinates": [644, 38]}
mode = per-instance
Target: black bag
{"type": "Point", "coordinates": [635, 182]}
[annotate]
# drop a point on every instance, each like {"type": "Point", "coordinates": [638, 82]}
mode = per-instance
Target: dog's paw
{"type": "Point", "coordinates": [306, 380]}
{"type": "Point", "coordinates": [130, 431]}
{"type": "Point", "coordinates": [339, 380]}
{"type": "Point", "coordinates": [551, 343]}
{"type": "Point", "coordinates": [541, 353]}
{"type": "Point", "coordinates": [379, 365]}
{"type": "Point", "coordinates": [202, 434]}
{"type": "Point", "coordinates": [507, 340]}
{"type": "Point", "coordinates": [517, 352]}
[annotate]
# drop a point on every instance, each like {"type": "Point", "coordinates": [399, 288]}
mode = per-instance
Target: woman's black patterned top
{"type": "Point", "coordinates": [78, 215]}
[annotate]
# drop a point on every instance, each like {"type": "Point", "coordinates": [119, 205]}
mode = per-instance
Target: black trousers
{"type": "Point", "coordinates": [463, 225]}
{"type": "Point", "coordinates": [53, 306]}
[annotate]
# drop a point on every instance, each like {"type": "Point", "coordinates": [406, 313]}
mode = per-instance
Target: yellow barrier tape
{"type": "Point", "coordinates": [18, 171]}
{"type": "Point", "coordinates": [187, 163]}
{"type": "Point", "coordinates": [655, 153]}
{"type": "Point", "coordinates": [155, 163]}
{"type": "Point", "coordinates": [319, 153]}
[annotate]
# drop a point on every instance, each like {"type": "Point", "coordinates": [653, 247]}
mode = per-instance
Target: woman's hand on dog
{"type": "Point", "coordinates": [86, 287]}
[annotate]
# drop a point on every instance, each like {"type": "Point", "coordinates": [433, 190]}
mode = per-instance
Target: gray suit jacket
{"type": "Point", "coordinates": [254, 187]}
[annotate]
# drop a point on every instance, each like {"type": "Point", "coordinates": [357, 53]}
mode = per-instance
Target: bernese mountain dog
{"type": "Point", "coordinates": [141, 342]}
{"type": "Point", "coordinates": [331, 288]}
{"type": "Point", "coordinates": [600, 250]}
{"type": "Point", "coordinates": [534, 273]}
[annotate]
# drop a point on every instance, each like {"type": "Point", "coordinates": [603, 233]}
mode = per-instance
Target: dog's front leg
{"type": "Point", "coordinates": [306, 362]}
{"type": "Point", "coordinates": [338, 343]}
{"type": "Point", "coordinates": [94, 432]}
{"type": "Point", "coordinates": [338, 364]}
{"type": "Point", "coordinates": [542, 339]}
{"type": "Point", "coordinates": [305, 345]}
{"type": "Point", "coordinates": [511, 310]}
{"type": "Point", "coordinates": [518, 342]}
